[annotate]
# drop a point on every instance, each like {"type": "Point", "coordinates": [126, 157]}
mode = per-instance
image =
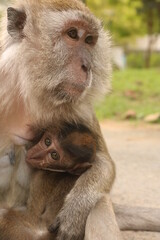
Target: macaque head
{"type": "Point", "coordinates": [61, 49]}
{"type": "Point", "coordinates": [72, 152]}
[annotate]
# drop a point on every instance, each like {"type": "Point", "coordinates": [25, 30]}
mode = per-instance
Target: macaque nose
{"type": "Point", "coordinates": [39, 154]}
{"type": "Point", "coordinates": [85, 68]}
{"type": "Point", "coordinates": [80, 70]}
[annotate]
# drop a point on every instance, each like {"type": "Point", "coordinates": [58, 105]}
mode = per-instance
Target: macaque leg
{"type": "Point", "coordinates": [137, 218]}
{"type": "Point", "coordinates": [18, 225]}
{"type": "Point", "coordinates": [101, 223]}
{"type": "Point", "coordinates": [14, 225]}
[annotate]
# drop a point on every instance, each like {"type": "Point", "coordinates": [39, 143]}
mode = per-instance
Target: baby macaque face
{"type": "Point", "coordinates": [73, 153]}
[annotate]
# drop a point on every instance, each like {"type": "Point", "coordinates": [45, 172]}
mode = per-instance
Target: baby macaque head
{"type": "Point", "coordinates": [71, 150]}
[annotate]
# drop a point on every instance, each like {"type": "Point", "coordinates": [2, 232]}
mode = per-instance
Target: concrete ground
{"type": "Point", "coordinates": [135, 150]}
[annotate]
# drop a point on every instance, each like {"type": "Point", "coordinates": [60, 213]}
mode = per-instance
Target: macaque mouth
{"type": "Point", "coordinates": [55, 170]}
{"type": "Point", "coordinates": [74, 88]}
{"type": "Point", "coordinates": [40, 164]}
{"type": "Point", "coordinates": [70, 90]}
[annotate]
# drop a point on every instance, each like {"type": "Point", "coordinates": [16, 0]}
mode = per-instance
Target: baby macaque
{"type": "Point", "coordinates": [73, 152]}
{"type": "Point", "coordinates": [70, 151]}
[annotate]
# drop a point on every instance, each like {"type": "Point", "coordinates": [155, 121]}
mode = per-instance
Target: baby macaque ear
{"type": "Point", "coordinates": [80, 168]}
{"type": "Point", "coordinates": [16, 22]}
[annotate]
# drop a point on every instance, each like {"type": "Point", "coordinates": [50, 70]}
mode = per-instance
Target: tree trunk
{"type": "Point", "coordinates": [150, 24]}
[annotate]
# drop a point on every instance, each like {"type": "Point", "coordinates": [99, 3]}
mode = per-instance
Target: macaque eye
{"type": "Point", "coordinates": [48, 142]}
{"type": "Point", "coordinates": [89, 40]}
{"type": "Point", "coordinates": [73, 33]}
{"type": "Point", "coordinates": [55, 155]}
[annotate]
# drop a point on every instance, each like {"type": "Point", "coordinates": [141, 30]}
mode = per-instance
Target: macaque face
{"type": "Point", "coordinates": [70, 46]}
{"type": "Point", "coordinates": [74, 154]}
{"type": "Point", "coordinates": [47, 153]}
{"type": "Point", "coordinates": [78, 40]}
{"type": "Point", "coordinates": [62, 54]}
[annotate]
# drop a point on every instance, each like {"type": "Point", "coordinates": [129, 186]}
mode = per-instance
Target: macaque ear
{"type": "Point", "coordinates": [16, 22]}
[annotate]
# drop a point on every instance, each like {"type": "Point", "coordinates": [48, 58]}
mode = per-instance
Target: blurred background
{"type": "Point", "coordinates": [135, 30]}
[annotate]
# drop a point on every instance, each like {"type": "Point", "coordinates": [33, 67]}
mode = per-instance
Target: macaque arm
{"type": "Point", "coordinates": [101, 222]}
{"type": "Point", "coordinates": [88, 189]}
{"type": "Point", "coordinates": [137, 218]}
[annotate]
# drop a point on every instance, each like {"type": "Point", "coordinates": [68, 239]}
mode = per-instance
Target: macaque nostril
{"type": "Point", "coordinates": [84, 68]}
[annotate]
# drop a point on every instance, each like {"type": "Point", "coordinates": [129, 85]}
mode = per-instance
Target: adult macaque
{"type": "Point", "coordinates": [54, 60]}
{"type": "Point", "coordinates": [71, 150]}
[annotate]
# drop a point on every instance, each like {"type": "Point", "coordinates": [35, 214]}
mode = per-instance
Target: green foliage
{"type": "Point", "coordinates": [155, 60]}
{"type": "Point", "coordinates": [120, 17]}
{"type": "Point", "coordinates": [125, 18]}
{"type": "Point", "coordinates": [136, 60]}
{"type": "Point", "coordinates": [145, 84]}
{"type": "Point", "coordinates": [150, 10]}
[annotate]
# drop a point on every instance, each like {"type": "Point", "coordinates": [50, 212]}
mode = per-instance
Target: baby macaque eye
{"type": "Point", "coordinates": [48, 142]}
{"type": "Point", "coordinates": [55, 155]}
{"type": "Point", "coordinates": [89, 39]}
{"type": "Point", "coordinates": [73, 33]}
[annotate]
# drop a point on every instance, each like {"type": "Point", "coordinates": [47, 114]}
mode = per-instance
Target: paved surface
{"type": "Point", "coordinates": [136, 152]}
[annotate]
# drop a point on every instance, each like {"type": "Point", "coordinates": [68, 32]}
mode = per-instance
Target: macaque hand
{"type": "Point", "coordinates": [70, 223]}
